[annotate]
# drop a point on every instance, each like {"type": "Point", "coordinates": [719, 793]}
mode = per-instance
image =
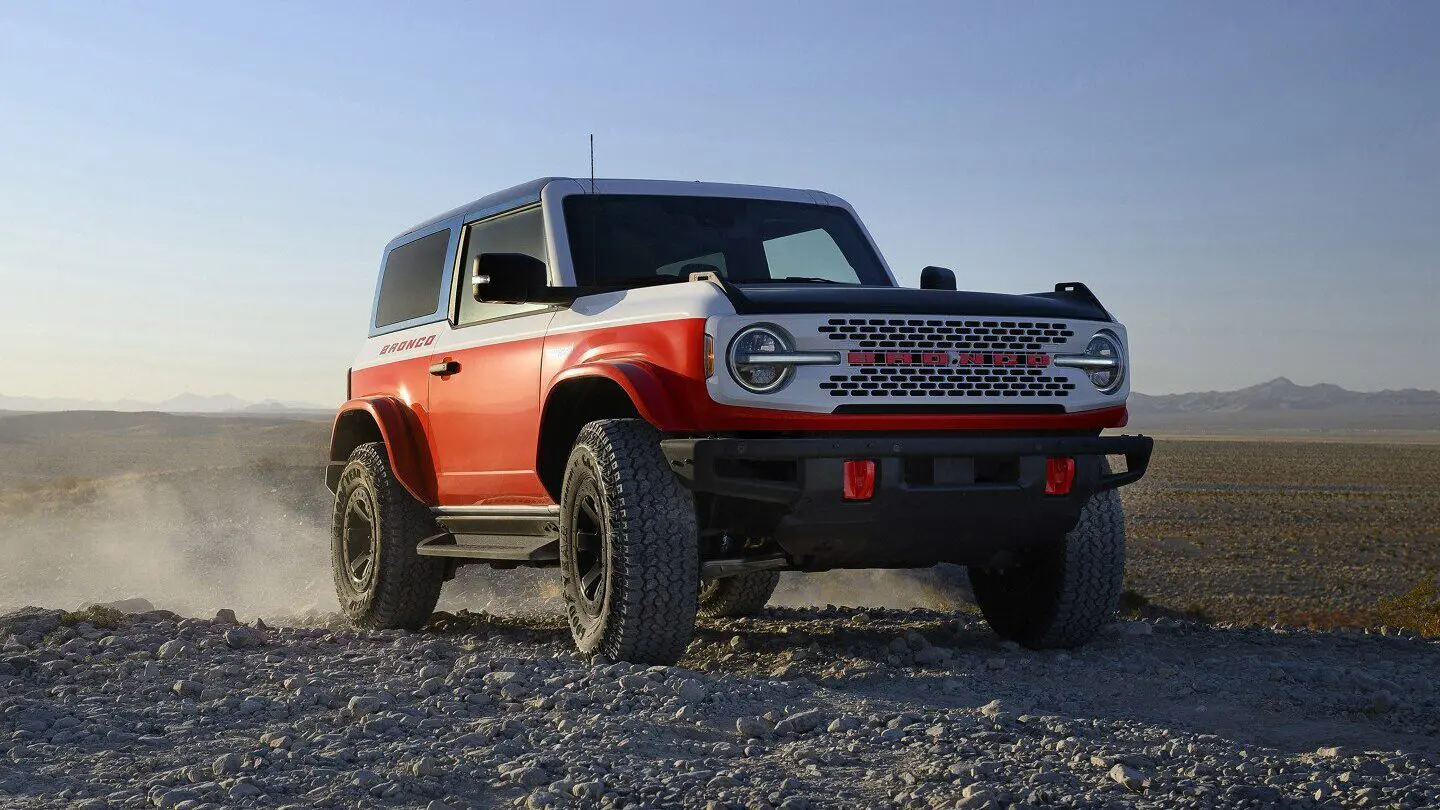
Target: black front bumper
{"type": "Point", "coordinates": [966, 500]}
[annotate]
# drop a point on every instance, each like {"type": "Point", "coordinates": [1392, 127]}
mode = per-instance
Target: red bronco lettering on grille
{"type": "Point", "coordinates": [1031, 359]}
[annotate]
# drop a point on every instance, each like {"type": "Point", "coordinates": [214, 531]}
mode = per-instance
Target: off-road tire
{"type": "Point", "coordinates": [640, 606]}
{"type": "Point", "coordinates": [402, 588]}
{"type": "Point", "coordinates": [740, 595]}
{"type": "Point", "coordinates": [1065, 590]}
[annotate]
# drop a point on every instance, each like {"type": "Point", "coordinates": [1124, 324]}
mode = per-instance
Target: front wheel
{"type": "Point", "coordinates": [629, 546]}
{"type": "Point", "coordinates": [381, 582]}
{"type": "Point", "coordinates": [1064, 591]}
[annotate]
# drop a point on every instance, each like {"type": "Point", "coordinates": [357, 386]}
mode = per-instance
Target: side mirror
{"type": "Point", "coordinates": [508, 278]}
{"type": "Point", "coordinates": [937, 278]}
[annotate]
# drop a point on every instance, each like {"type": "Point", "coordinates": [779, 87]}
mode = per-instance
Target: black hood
{"type": "Point", "coordinates": [1068, 301]}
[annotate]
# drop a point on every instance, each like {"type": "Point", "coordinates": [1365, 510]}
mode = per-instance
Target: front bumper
{"type": "Point", "coordinates": [965, 500]}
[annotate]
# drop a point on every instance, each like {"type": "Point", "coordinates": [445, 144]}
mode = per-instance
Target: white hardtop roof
{"type": "Point", "coordinates": [529, 193]}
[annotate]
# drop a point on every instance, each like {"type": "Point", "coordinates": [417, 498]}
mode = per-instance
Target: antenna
{"type": "Point", "coordinates": [592, 163]}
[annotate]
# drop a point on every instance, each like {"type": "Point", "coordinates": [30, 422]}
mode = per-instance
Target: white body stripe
{"type": "Point", "coordinates": [666, 302]}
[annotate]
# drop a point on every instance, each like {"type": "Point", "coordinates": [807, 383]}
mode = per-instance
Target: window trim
{"type": "Point", "coordinates": [447, 270]}
{"type": "Point", "coordinates": [458, 281]}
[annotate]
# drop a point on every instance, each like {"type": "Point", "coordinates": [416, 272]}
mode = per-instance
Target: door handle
{"type": "Point", "coordinates": [445, 368]}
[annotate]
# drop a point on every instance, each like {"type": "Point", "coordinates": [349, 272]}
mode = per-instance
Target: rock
{"type": "Point", "coordinates": [30, 621]}
{"type": "Point", "coordinates": [171, 649]}
{"type": "Point", "coordinates": [226, 616]}
{"type": "Point", "coordinates": [800, 723]}
{"type": "Point", "coordinates": [1129, 778]}
{"type": "Point", "coordinates": [840, 725]}
{"type": "Point", "coordinates": [127, 606]}
{"type": "Point", "coordinates": [531, 776]}
{"type": "Point", "coordinates": [188, 688]}
{"type": "Point", "coordinates": [752, 726]}
{"type": "Point", "coordinates": [690, 691]}
{"type": "Point", "coordinates": [634, 682]}
{"type": "Point", "coordinates": [244, 790]}
{"type": "Point", "coordinates": [241, 638]}
{"type": "Point", "coordinates": [361, 705]}
{"type": "Point", "coordinates": [226, 765]}
{"type": "Point", "coordinates": [588, 790]}
{"type": "Point", "coordinates": [933, 655]}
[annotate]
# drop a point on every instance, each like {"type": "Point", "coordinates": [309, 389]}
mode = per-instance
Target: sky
{"type": "Point", "coordinates": [194, 196]}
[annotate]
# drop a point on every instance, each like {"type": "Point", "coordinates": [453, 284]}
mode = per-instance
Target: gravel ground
{"type": "Point", "coordinates": [832, 707]}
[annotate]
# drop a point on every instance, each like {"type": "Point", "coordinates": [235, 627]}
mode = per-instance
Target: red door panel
{"type": "Point", "coordinates": [485, 419]}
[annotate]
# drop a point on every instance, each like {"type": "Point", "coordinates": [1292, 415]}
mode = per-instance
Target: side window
{"type": "Point", "coordinates": [808, 254]}
{"type": "Point", "coordinates": [410, 282]}
{"type": "Point", "coordinates": [511, 233]}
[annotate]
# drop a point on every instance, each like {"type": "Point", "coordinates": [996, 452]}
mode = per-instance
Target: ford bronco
{"type": "Point", "coordinates": [674, 391]}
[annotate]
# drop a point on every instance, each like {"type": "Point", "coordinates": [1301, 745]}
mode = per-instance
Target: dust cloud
{"type": "Point", "coordinates": [192, 543]}
{"type": "Point", "coordinates": [942, 588]}
{"type": "Point", "coordinates": [257, 540]}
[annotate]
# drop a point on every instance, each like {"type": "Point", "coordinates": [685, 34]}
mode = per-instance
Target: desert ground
{"type": "Point", "coordinates": [198, 513]}
{"type": "Point", "coordinates": [869, 689]}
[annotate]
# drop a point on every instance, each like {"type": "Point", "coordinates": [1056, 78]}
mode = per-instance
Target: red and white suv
{"type": "Point", "coordinates": [673, 391]}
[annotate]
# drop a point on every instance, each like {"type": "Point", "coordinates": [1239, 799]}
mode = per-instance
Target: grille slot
{"type": "Point", "coordinates": [946, 381]}
{"type": "Point", "coordinates": [947, 333]}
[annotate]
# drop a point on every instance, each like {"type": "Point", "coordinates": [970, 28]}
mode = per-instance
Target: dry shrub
{"type": "Point", "coordinates": [97, 616]}
{"type": "Point", "coordinates": [1327, 618]}
{"type": "Point", "coordinates": [1417, 609]}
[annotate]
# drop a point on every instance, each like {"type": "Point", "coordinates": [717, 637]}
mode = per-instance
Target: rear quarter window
{"type": "Point", "coordinates": [410, 282]}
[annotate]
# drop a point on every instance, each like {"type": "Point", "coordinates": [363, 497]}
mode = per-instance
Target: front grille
{"type": "Point", "coordinates": [874, 377]}
{"type": "Point", "coordinates": [947, 333]}
{"type": "Point", "coordinates": [946, 381]}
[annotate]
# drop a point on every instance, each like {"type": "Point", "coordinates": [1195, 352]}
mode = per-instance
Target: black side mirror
{"type": "Point", "coordinates": [937, 278]}
{"type": "Point", "coordinates": [508, 278]}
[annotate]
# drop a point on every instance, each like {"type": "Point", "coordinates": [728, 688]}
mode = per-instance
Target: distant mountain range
{"type": "Point", "coordinates": [184, 403]}
{"type": "Point", "coordinates": [1281, 405]}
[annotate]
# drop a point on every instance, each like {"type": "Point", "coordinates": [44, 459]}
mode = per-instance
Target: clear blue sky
{"type": "Point", "coordinates": [193, 196]}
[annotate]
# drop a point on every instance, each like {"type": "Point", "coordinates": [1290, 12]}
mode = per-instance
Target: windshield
{"type": "Point", "coordinates": [623, 239]}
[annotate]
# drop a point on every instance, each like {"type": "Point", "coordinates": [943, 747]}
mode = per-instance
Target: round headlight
{"type": "Point", "coordinates": [1105, 346]}
{"type": "Point", "coordinates": [747, 363]}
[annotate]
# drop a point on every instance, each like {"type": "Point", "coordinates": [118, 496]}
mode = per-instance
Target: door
{"type": "Point", "coordinates": [484, 387]}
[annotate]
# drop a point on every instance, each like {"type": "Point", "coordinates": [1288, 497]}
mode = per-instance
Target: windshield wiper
{"type": "Point", "coordinates": [815, 280]}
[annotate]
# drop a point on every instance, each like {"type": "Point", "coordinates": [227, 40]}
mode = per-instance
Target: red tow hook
{"type": "Point", "coordinates": [859, 479]}
{"type": "Point", "coordinates": [1059, 475]}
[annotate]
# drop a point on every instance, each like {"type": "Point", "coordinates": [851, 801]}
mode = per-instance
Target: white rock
{"type": "Point", "coordinates": [1128, 777]}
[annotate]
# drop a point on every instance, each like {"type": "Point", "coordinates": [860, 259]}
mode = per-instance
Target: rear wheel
{"type": "Point", "coordinates": [740, 595]}
{"type": "Point", "coordinates": [1064, 591]}
{"type": "Point", "coordinates": [382, 584]}
{"type": "Point", "coordinates": [629, 551]}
